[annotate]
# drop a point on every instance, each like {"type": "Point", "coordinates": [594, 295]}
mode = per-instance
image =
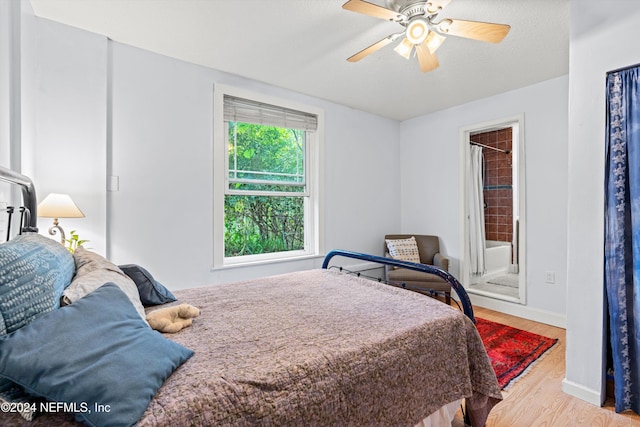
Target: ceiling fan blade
{"type": "Point", "coordinates": [483, 31]}
{"type": "Point", "coordinates": [435, 6]}
{"type": "Point", "coordinates": [434, 41]}
{"type": "Point", "coordinates": [428, 61]}
{"type": "Point", "coordinates": [371, 9]}
{"type": "Point", "coordinates": [373, 48]}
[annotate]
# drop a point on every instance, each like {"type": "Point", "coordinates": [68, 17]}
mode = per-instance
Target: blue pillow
{"type": "Point", "coordinates": [151, 291]}
{"type": "Point", "coordinates": [34, 270]}
{"type": "Point", "coordinates": [96, 351]}
{"type": "Point", "coordinates": [14, 395]}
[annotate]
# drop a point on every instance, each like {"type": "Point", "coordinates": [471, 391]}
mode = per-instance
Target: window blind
{"type": "Point", "coordinates": [248, 111]}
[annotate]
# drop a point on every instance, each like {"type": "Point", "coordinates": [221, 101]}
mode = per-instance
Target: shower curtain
{"type": "Point", "coordinates": [622, 232]}
{"type": "Point", "coordinates": [476, 213]}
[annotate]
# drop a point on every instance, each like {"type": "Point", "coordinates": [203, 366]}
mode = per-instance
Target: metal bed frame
{"type": "Point", "coordinates": [467, 308]}
{"type": "Point", "coordinates": [28, 212]}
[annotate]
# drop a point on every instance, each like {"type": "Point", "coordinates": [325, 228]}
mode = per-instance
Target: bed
{"type": "Point", "coordinates": [316, 348]}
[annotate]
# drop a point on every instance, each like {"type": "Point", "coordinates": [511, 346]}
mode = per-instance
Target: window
{"type": "Point", "coordinates": [267, 206]}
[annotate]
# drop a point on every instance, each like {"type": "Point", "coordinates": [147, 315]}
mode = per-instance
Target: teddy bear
{"type": "Point", "coordinates": [172, 319]}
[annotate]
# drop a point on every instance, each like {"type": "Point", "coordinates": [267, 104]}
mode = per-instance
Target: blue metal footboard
{"type": "Point", "coordinates": [467, 308]}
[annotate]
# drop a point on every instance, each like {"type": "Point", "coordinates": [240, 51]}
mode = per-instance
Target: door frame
{"type": "Point", "coordinates": [517, 124]}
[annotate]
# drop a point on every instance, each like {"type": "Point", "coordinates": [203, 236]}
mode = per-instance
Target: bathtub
{"type": "Point", "coordinates": [497, 257]}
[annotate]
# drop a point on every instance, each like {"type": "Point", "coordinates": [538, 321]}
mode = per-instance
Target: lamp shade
{"type": "Point", "coordinates": [57, 205]}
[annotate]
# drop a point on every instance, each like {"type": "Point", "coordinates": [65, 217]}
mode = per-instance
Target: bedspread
{"type": "Point", "coordinates": [320, 348]}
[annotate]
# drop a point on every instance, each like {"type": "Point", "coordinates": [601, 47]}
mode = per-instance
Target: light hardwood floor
{"type": "Point", "coordinates": [537, 398]}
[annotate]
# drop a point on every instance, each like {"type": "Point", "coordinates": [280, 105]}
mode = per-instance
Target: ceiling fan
{"type": "Point", "coordinates": [421, 29]}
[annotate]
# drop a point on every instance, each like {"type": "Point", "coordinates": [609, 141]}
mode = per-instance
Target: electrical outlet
{"type": "Point", "coordinates": [550, 277]}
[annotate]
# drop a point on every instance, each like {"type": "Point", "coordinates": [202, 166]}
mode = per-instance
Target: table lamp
{"type": "Point", "coordinates": [56, 206]}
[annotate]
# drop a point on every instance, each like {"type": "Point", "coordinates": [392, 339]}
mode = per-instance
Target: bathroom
{"type": "Point", "coordinates": [499, 276]}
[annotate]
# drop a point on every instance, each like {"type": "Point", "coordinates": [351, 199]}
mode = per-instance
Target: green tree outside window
{"type": "Point", "coordinates": [264, 204]}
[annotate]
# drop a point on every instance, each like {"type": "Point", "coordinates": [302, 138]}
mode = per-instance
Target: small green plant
{"type": "Point", "coordinates": [74, 241]}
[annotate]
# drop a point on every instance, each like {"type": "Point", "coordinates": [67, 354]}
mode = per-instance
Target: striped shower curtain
{"type": "Point", "coordinates": [622, 232]}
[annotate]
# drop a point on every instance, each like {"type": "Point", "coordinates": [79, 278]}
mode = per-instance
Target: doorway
{"type": "Point", "coordinates": [493, 219]}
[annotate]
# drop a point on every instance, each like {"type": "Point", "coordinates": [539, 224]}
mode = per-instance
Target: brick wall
{"type": "Point", "coordinates": [498, 187]}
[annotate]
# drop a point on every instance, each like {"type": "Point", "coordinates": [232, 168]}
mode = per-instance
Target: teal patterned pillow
{"type": "Point", "coordinates": [13, 394]}
{"type": "Point", "coordinates": [34, 270]}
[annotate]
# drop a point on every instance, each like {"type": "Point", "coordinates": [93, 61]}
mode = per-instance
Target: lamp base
{"type": "Point", "coordinates": [55, 228]}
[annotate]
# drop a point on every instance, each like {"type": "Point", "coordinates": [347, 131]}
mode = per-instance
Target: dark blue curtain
{"type": "Point", "coordinates": [622, 232]}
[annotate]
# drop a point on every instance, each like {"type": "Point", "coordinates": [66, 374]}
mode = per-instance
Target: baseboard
{"type": "Point", "coordinates": [581, 392]}
{"type": "Point", "coordinates": [519, 310]}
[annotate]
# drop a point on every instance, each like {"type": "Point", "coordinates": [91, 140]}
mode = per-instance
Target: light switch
{"type": "Point", "coordinates": [114, 183]}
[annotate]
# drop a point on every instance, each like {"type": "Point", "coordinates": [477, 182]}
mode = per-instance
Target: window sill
{"type": "Point", "coordinates": [266, 262]}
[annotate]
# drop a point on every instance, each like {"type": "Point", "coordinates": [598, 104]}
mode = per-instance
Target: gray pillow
{"type": "Point", "coordinates": [93, 271]}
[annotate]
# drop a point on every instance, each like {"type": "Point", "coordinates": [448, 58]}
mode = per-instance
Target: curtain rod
{"type": "Point", "coordinates": [490, 148]}
{"type": "Point", "coordinates": [623, 68]}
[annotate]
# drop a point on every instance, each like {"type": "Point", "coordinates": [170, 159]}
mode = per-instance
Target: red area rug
{"type": "Point", "coordinates": [511, 350]}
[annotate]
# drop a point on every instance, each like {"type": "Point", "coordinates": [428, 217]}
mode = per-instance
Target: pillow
{"type": "Point", "coordinates": [150, 290]}
{"type": "Point", "coordinates": [96, 351]}
{"type": "Point", "coordinates": [404, 249]}
{"type": "Point", "coordinates": [93, 271]}
{"type": "Point", "coordinates": [13, 396]}
{"type": "Point", "coordinates": [34, 270]}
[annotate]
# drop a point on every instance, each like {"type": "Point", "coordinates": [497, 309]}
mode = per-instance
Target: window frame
{"type": "Point", "coordinates": [314, 241]}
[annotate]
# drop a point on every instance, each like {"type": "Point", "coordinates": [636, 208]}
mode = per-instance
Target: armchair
{"type": "Point", "coordinates": [429, 253]}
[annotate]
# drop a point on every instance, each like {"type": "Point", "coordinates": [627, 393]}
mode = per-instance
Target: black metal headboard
{"type": "Point", "coordinates": [29, 199]}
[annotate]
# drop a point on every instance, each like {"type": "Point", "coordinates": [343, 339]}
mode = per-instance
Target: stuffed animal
{"type": "Point", "coordinates": [172, 319]}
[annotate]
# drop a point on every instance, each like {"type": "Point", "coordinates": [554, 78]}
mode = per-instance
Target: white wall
{"type": "Point", "coordinates": [16, 19]}
{"type": "Point", "coordinates": [52, 101]}
{"type": "Point", "coordinates": [601, 40]}
{"type": "Point", "coordinates": [106, 109]}
{"type": "Point", "coordinates": [161, 217]}
{"type": "Point", "coordinates": [28, 52]}
{"type": "Point", "coordinates": [430, 180]}
{"type": "Point", "coordinates": [5, 80]}
{"type": "Point", "coordinates": [69, 143]}
{"type": "Point", "coordinates": [6, 63]}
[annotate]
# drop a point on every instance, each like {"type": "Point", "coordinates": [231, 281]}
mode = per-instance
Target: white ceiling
{"type": "Point", "coordinates": [302, 45]}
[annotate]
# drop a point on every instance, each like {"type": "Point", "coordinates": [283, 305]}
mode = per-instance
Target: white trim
{"type": "Point", "coordinates": [516, 122]}
{"type": "Point", "coordinates": [515, 309]}
{"type": "Point", "coordinates": [15, 93]}
{"type": "Point", "coordinates": [257, 263]}
{"type": "Point", "coordinates": [315, 167]}
{"type": "Point", "coordinates": [581, 392]}
{"type": "Point", "coordinates": [266, 257]}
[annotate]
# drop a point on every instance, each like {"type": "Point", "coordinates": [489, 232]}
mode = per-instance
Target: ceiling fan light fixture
{"type": "Point", "coordinates": [417, 31]}
{"type": "Point", "coordinates": [404, 48]}
{"type": "Point", "coordinates": [433, 41]}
